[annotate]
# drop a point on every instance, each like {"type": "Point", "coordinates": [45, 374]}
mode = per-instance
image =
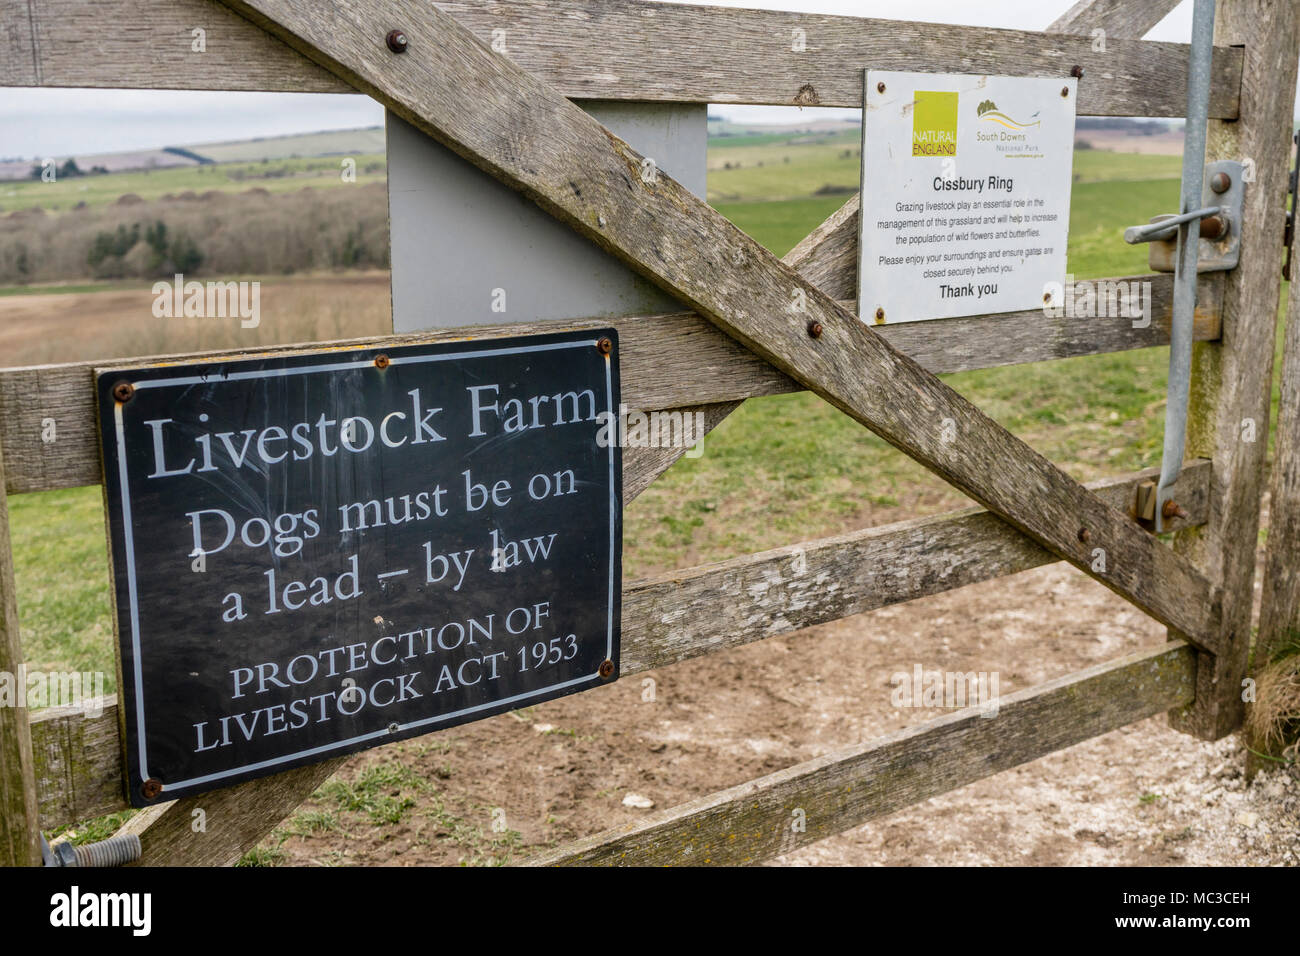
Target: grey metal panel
{"type": "Point", "coordinates": [458, 235]}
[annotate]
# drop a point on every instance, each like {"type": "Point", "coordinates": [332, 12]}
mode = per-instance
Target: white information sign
{"type": "Point", "coordinates": [965, 194]}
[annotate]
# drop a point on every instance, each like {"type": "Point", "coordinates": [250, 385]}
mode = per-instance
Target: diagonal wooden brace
{"type": "Point", "coordinates": [524, 133]}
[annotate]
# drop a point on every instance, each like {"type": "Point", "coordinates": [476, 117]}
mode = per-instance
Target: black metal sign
{"type": "Point", "coordinates": [322, 553]}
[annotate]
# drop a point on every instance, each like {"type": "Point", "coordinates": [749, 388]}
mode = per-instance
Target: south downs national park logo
{"type": "Point", "coordinates": [988, 112]}
{"type": "Point", "coordinates": [934, 123]}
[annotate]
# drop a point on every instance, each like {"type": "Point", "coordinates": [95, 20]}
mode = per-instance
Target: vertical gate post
{"type": "Point", "coordinates": [1279, 615]}
{"type": "Point", "coordinates": [1232, 378]}
{"type": "Point", "coordinates": [20, 843]}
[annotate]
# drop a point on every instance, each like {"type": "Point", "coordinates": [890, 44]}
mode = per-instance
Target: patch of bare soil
{"type": "Point", "coordinates": [1144, 794]}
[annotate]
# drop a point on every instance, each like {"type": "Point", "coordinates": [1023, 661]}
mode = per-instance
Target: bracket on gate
{"type": "Point", "coordinates": [1219, 248]}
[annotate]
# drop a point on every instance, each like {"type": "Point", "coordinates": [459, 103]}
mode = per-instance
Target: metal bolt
{"type": "Point", "coordinates": [394, 727]}
{"type": "Point", "coordinates": [815, 329]}
{"type": "Point", "coordinates": [381, 361]}
{"type": "Point", "coordinates": [606, 668]}
{"type": "Point", "coordinates": [1065, 91]}
{"type": "Point", "coordinates": [151, 788]}
{"type": "Point", "coordinates": [123, 391]}
{"type": "Point", "coordinates": [1047, 297]}
{"type": "Point", "coordinates": [1076, 72]}
{"type": "Point", "coordinates": [1220, 182]}
{"type": "Point", "coordinates": [605, 345]}
{"type": "Point", "coordinates": [115, 851]}
{"type": "Point", "coordinates": [1173, 509]}
{"type": "Point", "coordinates": [880, 87]}
{"type": "Point", "coordinates": [1214, 227]}
{"type": "Point", "coordinates": [880, 316]}
{"type": "Point", "coordinates": [1085, 535]}
{"type": "Point", "coordinates": [396, 41]}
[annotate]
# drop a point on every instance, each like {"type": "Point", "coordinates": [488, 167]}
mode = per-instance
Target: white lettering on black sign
{"type": "Point", "coordinates": [323, 553]}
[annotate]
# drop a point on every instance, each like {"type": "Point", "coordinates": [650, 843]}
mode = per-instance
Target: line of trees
{"type": "Point", "coordinates": [251, 233]}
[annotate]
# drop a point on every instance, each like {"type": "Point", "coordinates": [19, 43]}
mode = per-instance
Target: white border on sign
{"type": "Point", "coordinates": [337, 367]}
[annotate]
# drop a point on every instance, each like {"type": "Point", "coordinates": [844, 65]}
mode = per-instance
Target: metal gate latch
{"type": "Point", "coordinates": [1219, 247]}
{"type": "Point", "coordinates": [1213, 203]}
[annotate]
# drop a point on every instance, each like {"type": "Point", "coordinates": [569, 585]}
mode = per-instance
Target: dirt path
{"type": "Point", "coordinates": [1140, 795]}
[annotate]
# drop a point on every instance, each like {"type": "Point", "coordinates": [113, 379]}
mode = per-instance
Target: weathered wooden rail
{"type": "Point", "coordinates": [737, 340]}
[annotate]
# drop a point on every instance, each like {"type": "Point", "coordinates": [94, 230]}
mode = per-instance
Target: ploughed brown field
{"type": "Point", "coordinates": [118, 322]}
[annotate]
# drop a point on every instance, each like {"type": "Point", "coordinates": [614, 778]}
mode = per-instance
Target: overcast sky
{"type": "Point", "coordinates": [49, 122]}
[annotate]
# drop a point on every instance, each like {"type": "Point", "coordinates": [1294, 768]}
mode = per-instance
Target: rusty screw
{"type": "Point", "coordinates": [397, 41]}
{"type": "Point", "coordinates": [1085, 535]}
{"type": "Point", "coordinates": [123, 391]}
{"type": "Point", "coordinates": [1220, 182]}
{"type": "Point", "coordinates": [1076, 72]}
{"type": "Point", "coordinates": [606, 668]}
{"type": "Point", "coordinates": [815, 329]}
{"type": "Point", "coordinates": [381, 361]}
{"type": "Point", "coordinates": [1065, 91]}
{"type": "Point", "coordinates": [151, 788]}
{"type": "Point", "coordinates": [880, 316]}
{"type": "Point", "coordinates": [394, 727]}
{"type": "Point", "coordinates": [605, 345]}
{"type": "Point", "coordinates": [1173, 509]}
{"type": "Point", "coordinates": [880, 87]}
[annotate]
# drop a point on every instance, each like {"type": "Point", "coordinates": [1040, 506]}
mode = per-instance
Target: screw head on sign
{"type": "Point", "coordinates": [1065, 91]}
{"type": "Point", "coordinates": [880, 316]}
{"type": "Point", "coordinates": [397, 41]}
{"type": "Point", "coordinates": [606, 668]}
{"type": "Point", "coordinates": [1085, 535]}
{"type": "Point", "coordinates": [394, 727]}
{"type": "Point", "coordinates": [815, 329]}
{"type": "Point", "coordinates": [1220, 182]}
{"type": "Point", "coordinates": [605, 345]}
{"type": "Point", "coordinates": [151, 788]}
{"type": "Point", "coordinates": [381, 361]}
{"type": "Point", "coordinates": [880, 87]}
{"type": "Point", "coordinates": [123, 391]}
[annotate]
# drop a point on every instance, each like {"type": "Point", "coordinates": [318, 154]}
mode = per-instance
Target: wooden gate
{"type": "Point", "coordinates": [745, 337]}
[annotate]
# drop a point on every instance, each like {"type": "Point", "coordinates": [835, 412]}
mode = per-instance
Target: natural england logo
{"type": "Point", "coordinates": [934, 123]}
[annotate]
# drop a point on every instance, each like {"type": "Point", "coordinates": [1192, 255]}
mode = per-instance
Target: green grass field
{"type": "Point", "coordinates": [276, 175]}
{"type": "Point", "coordinates": [779, 470]}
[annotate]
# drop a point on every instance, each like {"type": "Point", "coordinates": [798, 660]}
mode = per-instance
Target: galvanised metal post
{"type": "Point", "coordinates": [1180, 333]}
